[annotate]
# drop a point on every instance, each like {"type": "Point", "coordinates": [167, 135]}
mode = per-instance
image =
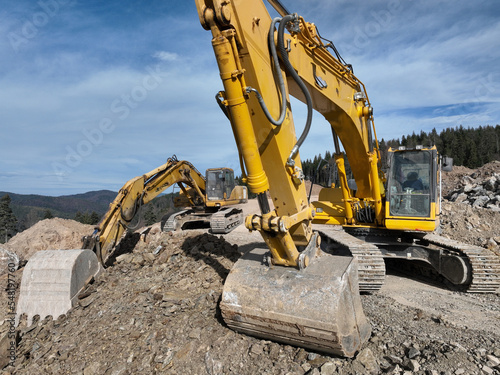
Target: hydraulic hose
{"type": "Point", "coordinates": [279, 77]}
{"type": "Point", "coordinates": [137, 208]}
{"type": "Point", "coordinates": [223, 108]}
{"type": "Point", "coordinates": [290, 70]}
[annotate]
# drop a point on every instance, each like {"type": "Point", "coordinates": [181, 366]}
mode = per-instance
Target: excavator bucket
{"type": "Point", "coordinates": [52, 280]}
{"type": "Point", "coordinates": [318, 307]}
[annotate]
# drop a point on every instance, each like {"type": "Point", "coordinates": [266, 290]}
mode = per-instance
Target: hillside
{"type": "Point", "coordinates": [31, 208]}
{"type": "Point", "coordinates": [66, 204]}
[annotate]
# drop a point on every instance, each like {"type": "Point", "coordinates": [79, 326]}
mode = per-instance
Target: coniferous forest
{"type": "Point", "coordinates": [469, 147]}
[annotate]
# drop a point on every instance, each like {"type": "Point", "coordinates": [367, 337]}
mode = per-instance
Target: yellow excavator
{"type": "Point", "coordinates": [52, 279]}
{"type": "Point", "coordinates": [304, 287]}
{"type": "Point", "coordinates": [209, 200]}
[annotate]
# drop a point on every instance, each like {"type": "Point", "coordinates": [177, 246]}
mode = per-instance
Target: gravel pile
{"type": "Point", "coordinates": [156, 311]}
{"type": "Point", "coordinates": [479, 193]}
{"type": "Point", "coordinates": [48, 234]}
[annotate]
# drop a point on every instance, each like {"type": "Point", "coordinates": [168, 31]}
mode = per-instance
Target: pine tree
{"type": "Point", "coordinates": [48, 214]}
{"type": "Point", "coordinates": [79, 217]}
{"type": "Point", "coordinates": [404, 141]}
{"type": "Point", "coordinates": [470, 147]}
{"type": "Point", "coordinates": [8, 221]}
{"type": "Point", "coordinates": [94, 218]}
{"type": "Point", "coordinates": [150, 216]}
{"type": "Point", "coordinates": [471, 156]}
{"type": "Point", "coordinates": [383, 153]}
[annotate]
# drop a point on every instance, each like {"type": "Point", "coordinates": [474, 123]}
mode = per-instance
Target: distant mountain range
{"type": "Point", "coordinates": [31, 208]}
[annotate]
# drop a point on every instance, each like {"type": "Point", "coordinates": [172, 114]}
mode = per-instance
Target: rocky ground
{"type": "Point", "coordinates": [155, 310]}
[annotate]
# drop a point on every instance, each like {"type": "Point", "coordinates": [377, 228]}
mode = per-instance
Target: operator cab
{"type": "Point", "coordinates": [220, 183]}
{"type": "Point", "coordinates": [411, 186]}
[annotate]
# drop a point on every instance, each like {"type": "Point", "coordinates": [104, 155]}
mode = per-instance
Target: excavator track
{"type": "Point", "coordinates": [221, 222]}
{"type": "Point", "coordinates": [226, 219]}
{"type": "Point", "coordinates": [171, 225]}
{"type": "Point", "coordinates": [472, 269]}
{"type": "Point", "coordinates": [485, 264]}
{"type": "Point", "coordinates": [371, 266]}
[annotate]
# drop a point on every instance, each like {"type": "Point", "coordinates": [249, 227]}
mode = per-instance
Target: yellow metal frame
{"type": "Point", "coordinates": [240, 40]}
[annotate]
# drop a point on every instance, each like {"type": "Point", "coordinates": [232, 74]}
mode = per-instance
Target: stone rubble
{"type": "Point", "coordinates": [479, 190]}
{"type": "Point", "coordinates": [159, 314]}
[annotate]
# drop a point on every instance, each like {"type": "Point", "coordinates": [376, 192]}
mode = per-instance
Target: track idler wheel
{"type": "Point", "coordinates": [455, 270]}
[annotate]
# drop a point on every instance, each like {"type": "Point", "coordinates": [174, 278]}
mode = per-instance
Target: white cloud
{"type": "Point", "coordinates": [166, 56]}
{"type": "Point", "coordinates": [426, 65]}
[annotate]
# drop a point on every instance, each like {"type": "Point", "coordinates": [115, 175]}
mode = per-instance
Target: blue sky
{"type": "Point", "coordinates": [94, 93]}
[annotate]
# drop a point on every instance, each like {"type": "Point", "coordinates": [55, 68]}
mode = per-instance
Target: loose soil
{"type": "Point", "coordinates": [49, 234]}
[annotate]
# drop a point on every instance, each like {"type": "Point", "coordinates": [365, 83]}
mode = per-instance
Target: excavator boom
{"type": "Point", "coordinates": [261, 62]}
{"type": "Point", "coordinates": [137, 192]}
{"type": "Point", "coordinates": [293, 292]}
{"type": "Point", "coordinates": [303, 288]}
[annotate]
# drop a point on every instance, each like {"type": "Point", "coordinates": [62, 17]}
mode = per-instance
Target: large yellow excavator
{"type": "Point", "coordinates": [300, 290]}
{"type": "Point", "coordinates": [304, 287]}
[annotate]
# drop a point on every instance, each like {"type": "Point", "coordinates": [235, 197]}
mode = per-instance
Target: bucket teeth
{"type": "Point", "coordinates": [52, 280]}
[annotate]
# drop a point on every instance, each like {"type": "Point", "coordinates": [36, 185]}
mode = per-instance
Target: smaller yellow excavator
{"type": "Point", "coordinates": [53, 279]}
{"type": "Point", "coordinates": [208, 200]}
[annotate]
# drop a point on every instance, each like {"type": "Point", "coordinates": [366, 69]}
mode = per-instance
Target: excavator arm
{"type": "Point", "coordinates": [314, 302]}
{"type": "Point", "coordinates": [53, 279]}
{"type": "Point", "coordinates": [294, 291]}
{"type": "Point", "coordinates": [137, 192]}
{"type": "Point", "coordinates": [342, 99]}
{"type": "Point", "coordinates": [260, 67]}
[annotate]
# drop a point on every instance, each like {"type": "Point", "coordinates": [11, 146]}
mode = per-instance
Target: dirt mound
{"type": "Point", "coordinates": [465, 218]}
{"type": "Point", "coordinates": [473, 225]}
{"type": "Point", "coordinates": [479, 189]}
{"type": "Point", "coordinates": [156, 311]}
{"type": "Point", "coordinates": [49, 234]}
